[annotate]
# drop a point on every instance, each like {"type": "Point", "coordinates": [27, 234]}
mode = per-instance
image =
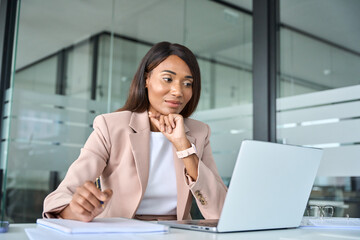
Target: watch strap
{"type": "Point", "coordinates": [187, 152]}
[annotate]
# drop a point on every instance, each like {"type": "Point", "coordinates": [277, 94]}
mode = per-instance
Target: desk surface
{"type": "Point", "coordinates": [16, 231]}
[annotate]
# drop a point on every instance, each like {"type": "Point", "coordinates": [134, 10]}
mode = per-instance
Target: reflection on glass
{"type": "Point", "coordinates": [318, 94]}
{"type": "Point", "coordinates": [39, 77]}
{"type": "Point", "coordinates": [126, 56]}
{"type": "Point", "coordinates": [78, 70]}
{"type": "Point", "coordinates": [320, 211]}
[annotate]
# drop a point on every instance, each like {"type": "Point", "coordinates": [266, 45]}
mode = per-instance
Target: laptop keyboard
{"type": "Point", "coordinates": [206, 223]}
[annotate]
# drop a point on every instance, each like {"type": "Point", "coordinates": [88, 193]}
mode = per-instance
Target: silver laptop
{"type": "Point", "coordinates": [269, 189]}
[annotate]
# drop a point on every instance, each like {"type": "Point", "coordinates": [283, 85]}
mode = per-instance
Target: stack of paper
{"type": "Point", "coordinates": [333, 222]}
{"type": "Point", "coordinates": [59, 228]}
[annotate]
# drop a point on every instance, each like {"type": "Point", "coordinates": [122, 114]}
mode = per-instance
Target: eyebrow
{"type": "Point", "coordinates": [168, 71]}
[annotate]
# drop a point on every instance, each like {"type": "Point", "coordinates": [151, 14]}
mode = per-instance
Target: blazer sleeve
{"type": "Point", "coordinates": [87, 167]}
{"type": "Point", "coordinates": [209, 190]}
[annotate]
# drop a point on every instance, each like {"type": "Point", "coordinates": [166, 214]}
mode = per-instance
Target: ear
{"type": "Point", "coordinates": [147, 82]}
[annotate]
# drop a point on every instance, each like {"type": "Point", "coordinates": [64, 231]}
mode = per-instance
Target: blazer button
{"type": "Point", "coordinates": [202, 201]}
{"type": "Point", "coordinates": [197, 193]}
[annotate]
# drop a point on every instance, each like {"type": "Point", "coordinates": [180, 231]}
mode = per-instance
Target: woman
{"type": "Point", "coordinates": [149, 154]}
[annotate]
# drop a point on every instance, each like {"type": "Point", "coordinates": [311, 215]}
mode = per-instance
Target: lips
{"type": "Point", "coordinates": [173, 103]}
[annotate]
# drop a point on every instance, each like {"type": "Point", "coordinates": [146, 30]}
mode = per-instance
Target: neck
{"type": "Point", "coordinates": [153, 128]}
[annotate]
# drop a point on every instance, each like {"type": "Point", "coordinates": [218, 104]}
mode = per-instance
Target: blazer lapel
{"type": "Point", "coordinates": [140, 146]}
{"type": "Point", "coordinates": [183, 192]}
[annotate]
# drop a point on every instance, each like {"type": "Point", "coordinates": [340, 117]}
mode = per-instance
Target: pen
{"type": "Point", "coordinates": [98, 185]}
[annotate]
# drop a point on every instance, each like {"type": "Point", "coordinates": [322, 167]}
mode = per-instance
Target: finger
{"type": "Point", "coordinates": [168, 125]}
{"type": "Point", "coordinates": [84, 193]}
{"type": "Point", "coordinates": [108, 193]}
{"type": "Point", "coordinates": [90, 186]}
{"type": "Point", "coordinates": [157, 114]}
{"type": "Point", "coordinates": [79, 209]}
{"type": "Point", "coordinates": [172, 120]}
{"type": "Point", "coordinates": [83, 203]}
{"type": "Point", "coordinates": [162, 124]}
{"type": "Point", "coordinates": [178, 118]}
{"type": "Point", "coordinates": [97, 211]}
{"type": "Point", "coordinates": [92, 194]}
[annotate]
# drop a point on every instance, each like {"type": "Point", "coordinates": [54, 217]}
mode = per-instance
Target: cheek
{"type": "Point", "coordinates": [188, 95]}
{"type": "Point", "coordinates": [156, 91]}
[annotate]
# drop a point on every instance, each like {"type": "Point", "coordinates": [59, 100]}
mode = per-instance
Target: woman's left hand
{"type": "Point", "coordinates": [172, 126]}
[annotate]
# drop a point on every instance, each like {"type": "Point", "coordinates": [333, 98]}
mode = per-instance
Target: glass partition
{"type": "Point", "coordinates": [78, 70]}
{"type": "Point", "coordinates": [222, 39]}
{"type": "Point", "coordinates": [126, 56]}
{"type": "Point", "coordinates": [39, 77]}
{"type": "Point", "coordinates": [319, 89]}
{"type": "Point", "coordinates": [49, 110]}
{"type": "Point", "coordinates": [76, 59]}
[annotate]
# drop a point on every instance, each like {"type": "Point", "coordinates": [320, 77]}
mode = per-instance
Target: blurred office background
{"type": "Point", "coordinates": [75, 59]}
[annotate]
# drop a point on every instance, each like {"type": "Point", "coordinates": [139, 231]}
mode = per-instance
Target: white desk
{"type": "Point", "coordinates": [16, 231]}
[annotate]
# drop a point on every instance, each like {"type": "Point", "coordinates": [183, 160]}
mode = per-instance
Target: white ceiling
{"type": "Point", "coordinates": [47, 26]}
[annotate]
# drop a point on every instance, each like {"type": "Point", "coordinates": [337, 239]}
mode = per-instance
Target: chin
{"type": "Point", "coordinates": [170, 111]}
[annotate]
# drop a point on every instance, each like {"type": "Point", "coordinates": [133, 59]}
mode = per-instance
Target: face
{"type": "Point", "coordinates": [169, 86]}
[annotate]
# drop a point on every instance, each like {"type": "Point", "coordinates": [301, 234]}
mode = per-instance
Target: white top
{"type": "Point", "coordinates": [160, 196]}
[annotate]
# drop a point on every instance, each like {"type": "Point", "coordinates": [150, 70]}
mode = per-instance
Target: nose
{"type": "Point", "coordinates": [176, 89]}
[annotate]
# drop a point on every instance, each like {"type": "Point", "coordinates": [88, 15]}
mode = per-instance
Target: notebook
{"type": "Point", "coordinates": [332, 222]}
{"type": "Point", "coordinates": [102, 225]}
{"type": "Point", "coordinates": [269, 189]}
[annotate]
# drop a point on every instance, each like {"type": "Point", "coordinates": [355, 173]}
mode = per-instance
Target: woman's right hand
{"type": "Point", "coordinates": [85, 204]}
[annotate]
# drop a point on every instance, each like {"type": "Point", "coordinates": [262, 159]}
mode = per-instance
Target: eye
{"type": "Point", "coordinates": [167, 79]}
{"type": "Point", "coordinates": [188, 84]}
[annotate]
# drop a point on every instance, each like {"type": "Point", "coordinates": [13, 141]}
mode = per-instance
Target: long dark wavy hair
{"type": "Point", "coordinates": [138, 100]}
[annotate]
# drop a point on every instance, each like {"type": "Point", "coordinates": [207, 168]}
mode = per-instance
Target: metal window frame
{"type": "Point", "coordinates": [265, 68]}
{"type": "Point", "coordinates": [8, 11]}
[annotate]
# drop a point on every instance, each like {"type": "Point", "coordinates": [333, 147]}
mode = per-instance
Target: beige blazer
{"type": "Point", "coordinates": [118, 150]}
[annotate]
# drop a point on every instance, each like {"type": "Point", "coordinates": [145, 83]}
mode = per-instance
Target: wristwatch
{"type": "Point", "coordinates": [187, 152]}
